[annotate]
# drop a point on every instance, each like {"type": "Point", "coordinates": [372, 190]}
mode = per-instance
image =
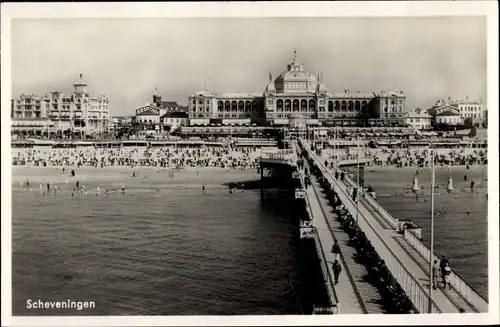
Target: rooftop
{"type": "Point", "coordinates": [176, 114]}
{"type": "Point", "coordinates": [351, 95]}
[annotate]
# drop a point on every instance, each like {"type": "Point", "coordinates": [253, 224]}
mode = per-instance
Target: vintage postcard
{"type": "Point", "coordinates": [249, 163]}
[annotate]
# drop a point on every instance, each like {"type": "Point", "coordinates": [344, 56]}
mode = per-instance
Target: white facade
{"type": "Point", "coordinates": [449, 120]}
{"type": "Point", "coordinates": [78, 111]}
{"type": "Point", "coordinates": [446, 113]}
{"type": "Point", "coordinates": [473, 110]}
{"type": "Point", "coordinates": [147, 115]}
{"type": "Point", "coordinates": [419, 119]}
{"type": "Point", "coordinates": [296, 91]}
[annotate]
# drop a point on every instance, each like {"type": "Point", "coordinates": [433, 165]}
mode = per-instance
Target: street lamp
{"type": "Point", "coordinates": [357, 189]}
{"type": "Point", "coordinates": [431, 252]}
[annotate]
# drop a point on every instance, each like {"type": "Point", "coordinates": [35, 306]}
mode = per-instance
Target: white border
{"type": "Point", "coordinates": [283, 9]}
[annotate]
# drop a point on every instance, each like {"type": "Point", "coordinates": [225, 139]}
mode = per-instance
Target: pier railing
{"type": "Point", "coordinates": [327, 276]}
{"type": "Point", "coordinates": [378, 208]}
{"type": "Point", "coordinates": [461, 286]}
{"type": "Point", "coordinates": [286, 156]}
{"type": "Point", "coordinates": [416, 292]}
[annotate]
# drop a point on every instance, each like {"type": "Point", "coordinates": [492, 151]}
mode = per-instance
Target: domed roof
{"type": "Point", "coordinates": [295, 72]}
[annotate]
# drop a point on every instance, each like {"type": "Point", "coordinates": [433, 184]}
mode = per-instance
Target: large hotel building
{"type": "Point", "coordinates": [297, 93]}
{"type": "Point", "coordinates": [79, 112]}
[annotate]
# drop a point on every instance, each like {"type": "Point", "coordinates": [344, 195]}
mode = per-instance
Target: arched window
{"type": "Point", "coordinates": [303, 105]}
{"type": "Point", "coordinates": [343, 106]}
{"type": "Point", "coordinates": [312, 105]}
{"type": "Point", "coordinates": [254, 106]}
{"type": "Point", "coordinates": [279, 105]}
{"type": "Point", "coordinates": [241, 105]}
{"type": "Point", "coordinates": [295, 105]}
{"type": "Point", "coordinates": [248, 106]}
{"type": "Point", "coordinates": [227, 106]}
{"type": "Point", "coordinates": [288, 104]}
{"type": "Point", "coordinates": [337, 106]}
{"type": "Point", "coordinates": [234, 106]}
{"type": "Point", "coordinates": [220, 105]}
{"type": "Point", "coordinates": [357, 106]}
{"type": "Point", "coordinates": [350, 106]}
{"type": "Point", "coordinates": [330, 106]}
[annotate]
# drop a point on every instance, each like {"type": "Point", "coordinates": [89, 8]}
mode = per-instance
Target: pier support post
{"type": "Point", "coordinates": [261, 182]}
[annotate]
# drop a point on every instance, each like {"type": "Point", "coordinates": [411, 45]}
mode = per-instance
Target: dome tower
{"type": "Point", "coordinates": [80, 86]}
{"type": "Point", "coordinates": [295, 79]}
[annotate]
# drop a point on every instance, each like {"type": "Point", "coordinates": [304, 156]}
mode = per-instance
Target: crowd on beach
{"type": "Point", "coordinates": [245, 158]}
{"type": "Point", "coordinates": [413, 157]}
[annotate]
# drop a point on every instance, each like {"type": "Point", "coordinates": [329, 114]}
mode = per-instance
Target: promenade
{"type": "Point", "coordinates": [356, 295]}
{"type": "Point", "coordinates": [406, 264]}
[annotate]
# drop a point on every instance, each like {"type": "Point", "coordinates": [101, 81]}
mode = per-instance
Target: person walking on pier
{"type": "Point", "coordinates": [336, 250]}
{"type": "Point", "coordinates": [445, 271]}
{"type": "Point", "coordinates": [435, 273]}
{"type": "Point", "coordinates": [336, 270]}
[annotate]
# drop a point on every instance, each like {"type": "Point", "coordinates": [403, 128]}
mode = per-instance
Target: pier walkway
{"type": "Point", "coordinates": [403, 262]}
{"type": "Point", "coordinates": [470, 302]}
{"type": "Point", "coordinates": [345, 292]}
{"type": "Point", "coordinates": [354, 292]}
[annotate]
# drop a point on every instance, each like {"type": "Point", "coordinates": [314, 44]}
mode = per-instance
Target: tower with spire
{"type": "Point", "coordinates": [156, 97]}
{"type": "Point", "coordinates": [80, 87]}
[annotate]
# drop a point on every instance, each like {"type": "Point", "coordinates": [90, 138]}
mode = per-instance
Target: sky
{"type": "Point", "coordinates": [427, 58]}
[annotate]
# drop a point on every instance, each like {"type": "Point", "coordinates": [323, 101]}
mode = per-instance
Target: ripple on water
{"type": "Point", "coordinates": [462, 238]}
{"type": "Point", "coordinates": [148, 252]}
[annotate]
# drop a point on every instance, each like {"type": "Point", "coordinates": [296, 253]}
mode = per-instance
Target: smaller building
{"type": "Point", "coordinates": [471, 109]}
{"type": "Point", "coordinates": [419, 119]}
{"type": "Point", "coordinates": [159, 115]}
{"type": "Point", "coordinates": [147, 118]}
{"type": "Point", "coordinates": [172, 120]}
{"type": "Point", "coordinates": [118, 122]}
{"type": "Point", "coordinates": [444, 113]}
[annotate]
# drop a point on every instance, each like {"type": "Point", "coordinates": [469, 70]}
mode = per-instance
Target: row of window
{"type": "Point", "coordinates": [28, 115]}
{"type": "Point", "coordinates": [394, 102]}
{"type": "Point", "coordinates": [295, 85]}
{"type": "Point", "coordinates": [222, 115]}
{"type": "Point", "coordinates": [470, 115]}
{"type": "Point", "coordinates": [470, 108]}
{"type": "Point", "coordinates": [27, 107]}
{"type": "Point", "coordinates": [394, 109]}
{"type": "Point", "coordinates": [28, 101]}
{"type": "Point", "coordinates": [417, 120]}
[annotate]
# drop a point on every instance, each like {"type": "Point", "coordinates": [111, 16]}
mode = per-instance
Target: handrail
{"type": "Point", "coordinates": [324, 267]}
{"type": "Point", "coordinates": [417, 293]}
{"type": "Point", "coordinates": [380, 210]}
{"type": "Point", "coordinates": [326, 272]}
{"type": "Point", "coordinates": [460, 285]}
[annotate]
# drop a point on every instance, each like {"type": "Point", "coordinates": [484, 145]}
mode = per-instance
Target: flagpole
{"type": "Point", "coordinates": [431, 253]}
{"type": "Point", "coordinates": [357, 190]}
